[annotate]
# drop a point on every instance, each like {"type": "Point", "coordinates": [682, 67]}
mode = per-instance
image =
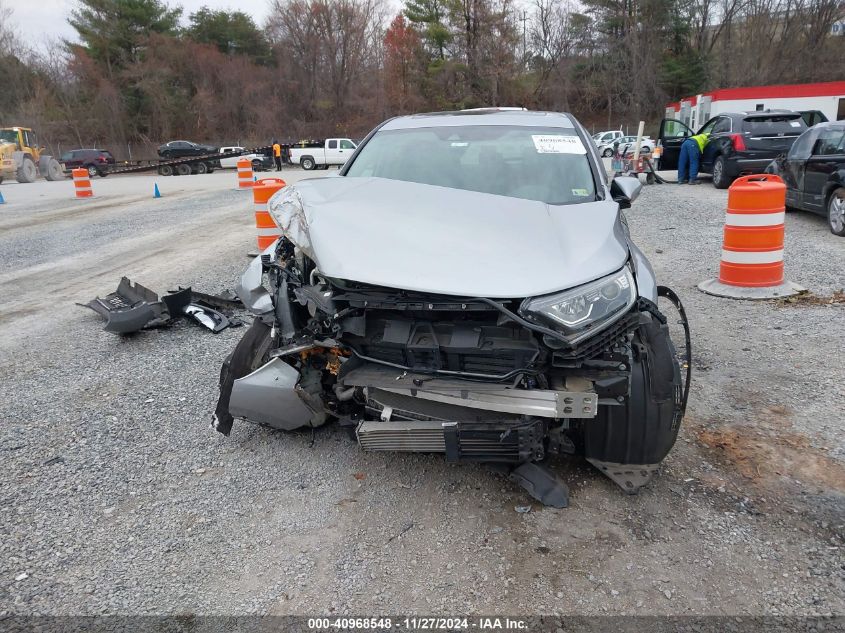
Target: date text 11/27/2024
{"type": "Point", "coordinates": [417, 624]}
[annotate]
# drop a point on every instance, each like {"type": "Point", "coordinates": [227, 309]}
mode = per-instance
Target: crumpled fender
{"type": "Point", "coordinates": [250, 350]}
{"type": "Point", "coordinates": [250, 289]}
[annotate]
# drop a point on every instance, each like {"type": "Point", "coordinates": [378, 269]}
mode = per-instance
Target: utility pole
{"type": "Point", "coordinates": [524, 19]}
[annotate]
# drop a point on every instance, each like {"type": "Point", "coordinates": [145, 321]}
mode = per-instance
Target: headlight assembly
{"type": "Point", "coordinates": [286, 208]}
{"type": "Point", "coordinates": [580, 311]}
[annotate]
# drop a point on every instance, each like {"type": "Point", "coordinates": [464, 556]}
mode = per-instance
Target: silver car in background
{"type": "Point", "coordinates": [466, 286]}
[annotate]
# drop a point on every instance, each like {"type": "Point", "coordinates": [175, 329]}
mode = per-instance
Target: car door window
{"type": "Point", "coordinates": [722, 126]}
{"type": "Point", "coordinates": [332, 144]}
{"type": "Point", "coordinates": [344, 144]}
{"type": "Point", "coordinates": [801, 148]}
{"type": "Point", "coordinates": [674, 129]}
{"type": "Point", "coordinates": [708, 127]}
{"type": "Point", "coordinates": [829, 143]}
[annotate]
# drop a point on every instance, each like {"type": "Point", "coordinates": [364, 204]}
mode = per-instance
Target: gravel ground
{"type": "Point", "coordinates": [119, 498]}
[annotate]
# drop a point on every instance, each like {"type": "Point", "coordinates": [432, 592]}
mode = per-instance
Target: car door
{"type": "Point", "coordinates": [822, 164]}
{"type": "Point", "coordinates": [229, 162]}
{"type": "Point", "coordinates": [794, 166]}
{"type": "Point", "coordinates": [178, 149]}
{"type": "Point", "coordinates": [672, 135]}
{"type": "Point", "coordinates": [332, 155]}
{"type": "Point", "coordinates": [719, 129]}
{"type": "Point", "coordinates": [345, 149]}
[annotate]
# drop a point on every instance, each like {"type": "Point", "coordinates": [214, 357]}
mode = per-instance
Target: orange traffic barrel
{"type": "Point", "coordinates": [244, 174]}
{"type": "Point", "coordinates": [82, 183]}
{"type": "Point", "coordinates": [265, 226]}
{"type": "Point", "coordinates": [752, 242]}
{"type": "Point", "coordinates": [752, 248]}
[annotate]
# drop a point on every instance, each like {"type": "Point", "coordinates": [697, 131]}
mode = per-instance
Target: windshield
{"type": "Point", "coordinates": [544, 164]}
{"type": "Point", "coordinates": [8, 136]}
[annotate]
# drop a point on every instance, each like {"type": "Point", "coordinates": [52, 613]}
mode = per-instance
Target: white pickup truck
{"type": "Point", "coordinates": [321, 154]}
{"type": "Point", "coordinates": [259, 161]}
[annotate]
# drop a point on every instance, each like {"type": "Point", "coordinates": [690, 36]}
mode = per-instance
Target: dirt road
{"type": "Point", "coordinates": [119, 498]}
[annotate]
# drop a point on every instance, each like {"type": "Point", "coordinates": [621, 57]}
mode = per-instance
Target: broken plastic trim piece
{"type": "Point", "coordinates": [207, 317]}
{"type": "Point", "coordinates": [133, 307]}
{"type": "Point", "coordinates": [129, 308]}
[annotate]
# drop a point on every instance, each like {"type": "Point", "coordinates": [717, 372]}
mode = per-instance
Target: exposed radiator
{"type": "Point", "coordinates": [503, 441]}
{"type": "Point", "coordinates": [413, 436]}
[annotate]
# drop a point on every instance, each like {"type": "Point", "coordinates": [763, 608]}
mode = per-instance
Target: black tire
{"type": "Point", "coordinates": [27, 172]}
{"type": "Point", "coordinates": [165, 170]}
{"type": "Point", "coordinates": [307, 163]}
{"type": "Point", "coordinates": [721, 180]}
{"type": "Point", "coordinates": [836, 212]}
{"type": "Point", "coordinates": [54, 171]}
{"type": "Point", "coordinates": [202, 168]}
{"type": "Point", "coordinates": [607, 153]}
{"type": "Point", "coordinates": [92, 170]}
{"type": "Point", "coordinates": [257, 165]}
{"type": "Point", "coordinates": [183, 169]}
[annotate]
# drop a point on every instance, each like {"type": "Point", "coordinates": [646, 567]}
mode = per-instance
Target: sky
{"type": "Point", "coordinates": [46, 20]}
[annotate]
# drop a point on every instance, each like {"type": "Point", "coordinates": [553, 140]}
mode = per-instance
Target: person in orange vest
{"type": "Point", "coordinates": [277, 155]}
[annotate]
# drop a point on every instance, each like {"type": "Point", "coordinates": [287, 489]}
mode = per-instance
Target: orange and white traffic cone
{"type": "Point", "coordinates": [82, 184]}
{"type": "Point", "coordinates": [751, 266]}
{"type": "Point", "coordinates": [265, 227]}
{"type": "Point", "coordinates": [244, 174]}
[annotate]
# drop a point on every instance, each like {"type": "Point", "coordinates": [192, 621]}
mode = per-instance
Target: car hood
{"type": "Point", "coordinates": [448, 241]}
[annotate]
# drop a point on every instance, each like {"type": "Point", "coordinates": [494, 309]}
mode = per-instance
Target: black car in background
{"type": "Point", "coordinates": [740, 142]}
{"type": "Point", "coordinates": [96, 161]}
{"type": "Point", "coordinates": [814, 173]}
{"type": "Point", "coordinates": [185, 149]}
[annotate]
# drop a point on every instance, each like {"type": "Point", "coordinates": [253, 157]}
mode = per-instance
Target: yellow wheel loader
{"type": "Point", "coordinates": [22, 159]}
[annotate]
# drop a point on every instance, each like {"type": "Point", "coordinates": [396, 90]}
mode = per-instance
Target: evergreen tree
{"type": "Point", "coordinates": [231, 32]}
{"type": "Point", "coordinates": [431, 15]}
{"type": "Point", "coordinates": [113, 31]}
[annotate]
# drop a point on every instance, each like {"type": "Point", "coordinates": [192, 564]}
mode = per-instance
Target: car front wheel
{"type": "Point", "coordinates": [720, 173]}
{"type": "Point", "coordinates": [607, 153]}
{"type": "Point", "coordinates": [836, 212]}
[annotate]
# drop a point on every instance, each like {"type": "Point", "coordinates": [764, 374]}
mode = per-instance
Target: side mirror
{"type": "Point", "coordinates": [625, 189]}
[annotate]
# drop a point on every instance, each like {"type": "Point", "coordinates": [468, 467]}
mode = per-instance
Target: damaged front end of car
{"type": "Point", "coordinates": [590, 370]}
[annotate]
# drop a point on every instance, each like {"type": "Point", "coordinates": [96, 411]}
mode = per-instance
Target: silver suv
{"type": "Point", "coordinates": [466, 286]}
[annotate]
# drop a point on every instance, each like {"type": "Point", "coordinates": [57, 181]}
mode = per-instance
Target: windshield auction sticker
{"type": "Point", "coordinates": [558, 144]}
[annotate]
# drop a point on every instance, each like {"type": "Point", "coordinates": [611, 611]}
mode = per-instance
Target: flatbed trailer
{"type": "Point", "coordinates": [187, 165]}
{"type": "Point", "coordinates": [205, 163]}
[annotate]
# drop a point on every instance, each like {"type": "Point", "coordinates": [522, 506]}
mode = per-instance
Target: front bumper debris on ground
{"type": "Point", "coordinates": [133, 307]}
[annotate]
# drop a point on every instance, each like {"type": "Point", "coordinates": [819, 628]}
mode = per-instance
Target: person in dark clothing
{"type": "Point", "coordinates": [277, 155]}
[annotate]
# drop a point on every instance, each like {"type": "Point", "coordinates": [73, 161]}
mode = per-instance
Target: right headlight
{"type": "Point", "coordinates": [287, 210]}
{"type": "Point", "coordinates": [581, 311]}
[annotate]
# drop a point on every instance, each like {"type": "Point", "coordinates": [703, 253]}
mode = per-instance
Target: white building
{"type": "Point", "coordinates": [827, 98]}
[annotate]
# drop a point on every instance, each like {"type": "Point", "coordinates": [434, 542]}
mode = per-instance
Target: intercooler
{"type": "Point", "coordinates": [495, 441]}
{"type": "Point", "coordinates": [415, 437]}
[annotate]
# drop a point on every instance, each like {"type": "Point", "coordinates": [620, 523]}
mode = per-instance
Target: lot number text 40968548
{"type": "Point", "coordinates": [416, 624]}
